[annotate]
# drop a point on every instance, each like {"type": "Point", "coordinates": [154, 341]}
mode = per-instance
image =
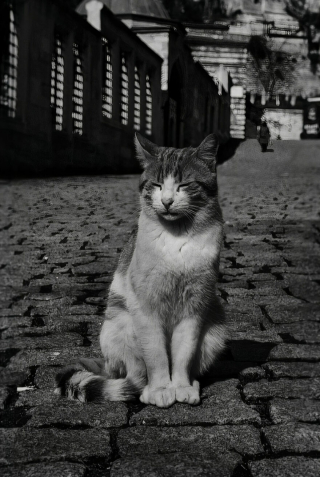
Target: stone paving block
{"type": "Point", "coordinates": [293, 370]}
{"type": "Point", "coordinates": [14, 322]}
{"type": "Point", "coordinates": [253, 345]}
{"type": "Point", "coordinates": [50, 341]}
{"type": "Point", "coordinates": [58, 469]}
{"type": "Point", "coordinates": [256, 299]}
{"type": "Point", "coordinates": [286, 467]}
{"type": "Point", "coordinates": [221, 404]}
{"type": "Point", "coordinates": [252, 374]}
{"type": "Point", "coordinates": [302, 264]}
{"type": "Point", "coordinates": [26, 445]}
{"type": "Point", "coordinates": [283, 388]}
{"type": "Point", "coordinates": [295, 438]}
{"type": "Point", "coordinates": [286, 410]}
{"type": "Point", "coordinates": [210, 442]}
{"type": "Point", "coordinates": [83, 310]}
{"type": "Point", "coordinates": [12, 378]}
{"type": "Point", "coordinates": [45, 377]}
{"type": "Point", "coordinates": [94, 268]}
{"type": "Point", "coordinates": [259, 261]}
{"type": "Point", "coordinates": [237, 284]}
{"type": "Point", "coordinates": [238, 321]}
{"type": "Point", "coordinates": [74, 413]}
{"type": "Point", "coordinates": [304, 288]}
{"type": "Point", "coordinates": [78, 323]}
{"type": "Point", "coordinates": [304, 332]}
{"type": "Point", "coordinates": [35, 397]}
{"type": "Point", "coordinates": [292, 314]}
{"type": "Point", "coordinates": [52, 357]}
{"type": "Point", "coordinates": [169, 465]}
{"type": "Point", "coordinates": [5, 394]}
{"type": "Point", "coordinates": [16, 311]}
{"type": "Point", "coordinates": [295, 352]}
{"type": "Point", "coordinates": [263, 289]}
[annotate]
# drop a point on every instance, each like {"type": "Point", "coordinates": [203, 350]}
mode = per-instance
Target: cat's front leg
{"type": "Point", "coordinates": [158, 391]}
{"type": "Point", "coordinates": [184, 347]}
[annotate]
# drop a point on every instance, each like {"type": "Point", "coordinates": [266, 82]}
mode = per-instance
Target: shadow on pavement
{"type": "Point", "coordinates": [228, 150]}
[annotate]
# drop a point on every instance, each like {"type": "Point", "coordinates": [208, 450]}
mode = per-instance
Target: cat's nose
{"type": "Point", "coordinates": [167, 201]}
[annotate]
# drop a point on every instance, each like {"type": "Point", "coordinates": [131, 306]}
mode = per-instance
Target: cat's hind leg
{"type": "Point", "coordinates": [120, 376]}
{"type": "Point", "coordinates": [213, 343]}
{"type": "Point", "coordinates": [120, 348]}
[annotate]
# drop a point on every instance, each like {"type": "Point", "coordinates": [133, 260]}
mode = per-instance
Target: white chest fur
{"type": "Point", "coordinates": [185, 251]}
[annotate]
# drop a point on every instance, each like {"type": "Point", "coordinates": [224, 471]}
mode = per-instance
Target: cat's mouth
{"type": "Point", "coordinates": [168, 215]}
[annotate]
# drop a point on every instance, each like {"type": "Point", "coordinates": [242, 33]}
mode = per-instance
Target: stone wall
{"type": "Point", "coordinates": [32, 140]}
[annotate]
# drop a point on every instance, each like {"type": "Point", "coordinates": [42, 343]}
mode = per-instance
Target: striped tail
{"type": "Point", "coordinates": [77, 383]}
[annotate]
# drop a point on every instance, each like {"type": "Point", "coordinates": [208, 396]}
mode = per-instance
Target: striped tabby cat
{"type": "Point", "coordinates": [164, 325]}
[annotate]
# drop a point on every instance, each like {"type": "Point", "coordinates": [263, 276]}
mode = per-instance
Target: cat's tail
{"type": "Point", "coordinates": [77, 383]}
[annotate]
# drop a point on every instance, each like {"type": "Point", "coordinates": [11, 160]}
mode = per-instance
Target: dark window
{"type": "Point", "coordinates": [9, 62]}
{"type": "Point", "coordinates": [148, 106]}
{"type": "Point", "coordinates": [57, 84]}
{"type": "Point", "coordinates": [77, 96]}
{"type": "Point", "coordinates": [124, 91]}
{"type": "Point", "coordinates": [106, 80]}
{"type": "Point", "coordinates": [137, 100]}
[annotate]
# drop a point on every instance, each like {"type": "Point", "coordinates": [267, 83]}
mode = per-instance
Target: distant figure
{"type": "Point", "coordinates": [264, 136]}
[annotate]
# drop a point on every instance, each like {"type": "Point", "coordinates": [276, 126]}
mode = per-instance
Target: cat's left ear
{"type": "Point", "coordinates": [146, 150]}
{"type": "Point", "coordinates": [207, 151]}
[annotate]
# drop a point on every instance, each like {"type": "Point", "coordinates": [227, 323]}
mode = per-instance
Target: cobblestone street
{"type": "Point", "coordinates": [260, 410]}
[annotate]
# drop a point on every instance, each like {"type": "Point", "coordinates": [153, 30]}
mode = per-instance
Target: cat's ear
{"type": "Point", "coordinates": [207, 151]}
{"type": "Point", "coordinates": [146, 150]}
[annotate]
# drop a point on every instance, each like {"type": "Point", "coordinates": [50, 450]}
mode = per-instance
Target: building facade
{"type": "Point", "coordinates": [276, 87]}
{"type": "Point", "coordinates": [193, 104]}
{"type": "Point", "coordinates": [71, 97]}
{"type": "Point", "coordinates": [73, 92]}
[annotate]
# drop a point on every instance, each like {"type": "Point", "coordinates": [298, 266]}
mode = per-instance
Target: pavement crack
{"type": "Point", "coordinates": [115, 451]}
{"type": "Point", "coordinates": [265, 442]}
{"type": "Point", "coordinates": [263, 309]}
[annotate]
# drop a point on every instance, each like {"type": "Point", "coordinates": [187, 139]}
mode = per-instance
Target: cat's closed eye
{"type": "Point", "coordinates": [155, 184]}
{"type": "Point", "coordinates": [184, 185]}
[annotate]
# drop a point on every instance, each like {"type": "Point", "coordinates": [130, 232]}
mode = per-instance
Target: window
{"type": "Point", "coordinates": [148, 106]}
{"type": "Point", "coordinates": [9, 66]}
{"type": "Point", "coordinates": [77, 95]}
{"type": "Point", "coordinates": [137, 98]}
{"type": "Point", "coordinates": [57, 84]}
{"type": "Point", "coordinates": [124, 92]}
{"type": "Point", "coordinates": [106, 80]}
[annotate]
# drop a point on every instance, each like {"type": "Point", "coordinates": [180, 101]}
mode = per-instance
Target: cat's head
{"type": "Point", "coordinates": [177, 183]}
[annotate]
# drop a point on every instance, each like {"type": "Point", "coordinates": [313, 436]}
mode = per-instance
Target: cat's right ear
{"type": "Point", "coordinates": [146, 150]}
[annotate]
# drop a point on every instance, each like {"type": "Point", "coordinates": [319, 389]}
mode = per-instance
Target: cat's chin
{"type": "Point", "coordinates": [170, 216]}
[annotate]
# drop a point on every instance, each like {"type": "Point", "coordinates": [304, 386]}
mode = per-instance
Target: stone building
{"type": "Point", "coordinates": [193, 105]}
{"type": "Point", "coordinates": [73, 92]}
{"type": "Point", "coordinates": [256, 90]}
{"type": "Point", "coordinates": [67, 103]}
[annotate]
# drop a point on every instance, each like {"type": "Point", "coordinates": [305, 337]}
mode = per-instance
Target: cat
{"type": "Point", "coordinates": [164, 324]}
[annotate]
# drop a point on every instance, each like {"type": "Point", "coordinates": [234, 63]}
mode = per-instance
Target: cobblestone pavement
{"type": "Point", "coordinates": [260, 410]}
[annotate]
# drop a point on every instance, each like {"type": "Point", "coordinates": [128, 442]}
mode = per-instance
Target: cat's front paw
{"type": "Point", "coordinates": [188, 394]}
{"type": "Point", "coordinates": [160, 397]}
